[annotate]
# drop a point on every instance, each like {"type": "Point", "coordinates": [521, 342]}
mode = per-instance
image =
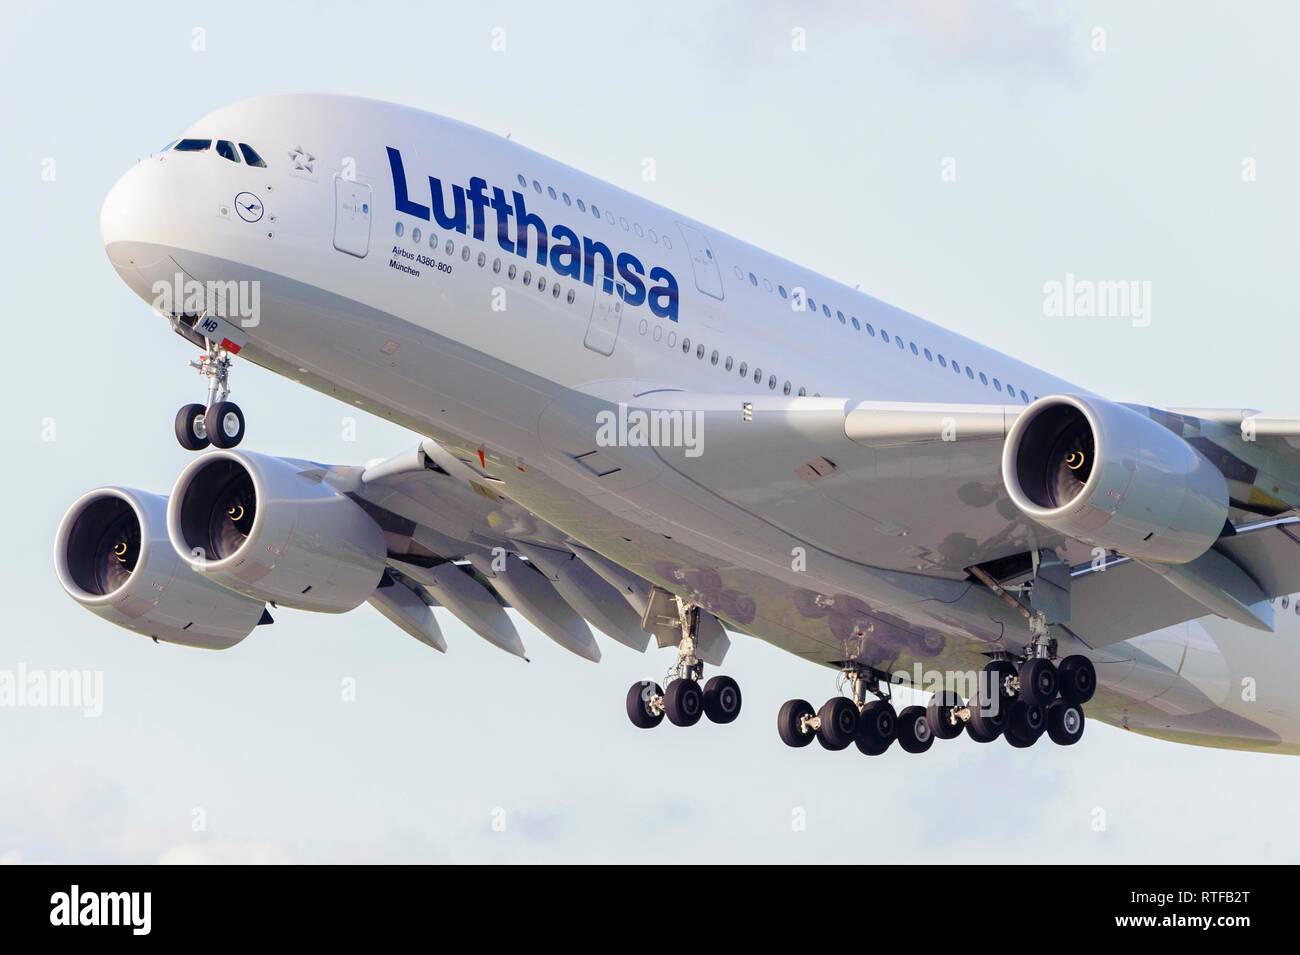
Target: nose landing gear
{"type": "Point", "coordinates": [220, 422]}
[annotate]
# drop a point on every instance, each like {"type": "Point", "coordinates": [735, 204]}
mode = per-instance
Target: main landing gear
{"type": "Point", "coordinates": [220, 422]}
{"type": "Point", "coordinates": [870, 725]}
{"type": "Point", "coordinates": [1024, 702]}
{"type": "Point", "coordinates": [685, 700]}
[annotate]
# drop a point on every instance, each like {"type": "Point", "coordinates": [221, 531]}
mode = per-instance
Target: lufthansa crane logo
{"type": "Point", "coordinates": [249, 207]}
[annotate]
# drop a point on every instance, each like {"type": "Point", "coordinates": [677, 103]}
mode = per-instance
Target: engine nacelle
{"type": "Point", "coordinates": [273, 529]}
{"type": "Point", "coordinates": [113, 557]}
{"type": "Point", "coordinates": [1109, 476]}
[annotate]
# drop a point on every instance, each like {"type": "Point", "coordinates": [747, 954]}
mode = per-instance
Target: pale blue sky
{"type": "Point", "coordinates": [1122, 164]}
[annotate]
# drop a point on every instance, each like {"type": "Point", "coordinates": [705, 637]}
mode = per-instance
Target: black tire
{"type": "Point", "coordinates": [1018, 741]}
{"type": "Point", "coordinates": [839, 723]}
{"type": "Point", "coordinates": [190, 431]}
{"type": "Point", "coordinates": [996, 674]}
{"type": "Point", "coordinates": [684, 702]}
{"type": "Point", "coordinates": [225, 424]}
{"type": "Point", "coordinates": [988, 721]}
{"type": "Point", "coordinates": [913, 731]}
{"type": "Point", "coordinates": [638, 705]}
{"type": "Point", "coordinates": [1027, 723]}
{"type": "Point", "coordinates": [877, 727]}
{"type": "Point", "coordinates": [1077, 678]}
{"type": "Point", "coordinates": [722, 699]}
{"type": "Point", "coordinates": [939, 712]}
{"type": "Point", "coordinates": [1065, 723]}
{"type": "Point", "coordinates": [1038, 681]}
{"type": "Point", "coordinates": [790, 720]}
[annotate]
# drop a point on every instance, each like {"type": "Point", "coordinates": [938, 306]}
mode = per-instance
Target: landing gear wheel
{"type": "Point", "coordinates": [1027, 722]}
{"type": "Point", "coordinates": [225, 424]}
{"type": "Point", "coordinates": [684, 703]}
{"type": "Point", "coordinates": [638, 705]}
{"type": "Point", "coordinates": [839, 723]}
{"type": "Point", "coordinates": [1037, 681]}
{"type": "Point", "coordinates": [996, 674]}
{"type": "Point", "coordinates": [988, 721]}
{"type": "Point", "coordinates": [790, 723]}
{"type": "Point", "coordinates": [913, 732]}
{"type": "Point", "coordinates": [1077, 678]}
{"type": "Point", "coordinates": [721, 699]}
{"type": "Point", "coordinates": [190, 431]}
{"type": "Point", "coordinates": [939, 713]}
{"type": "Point", "coordinates": [877, 726]}
{"type": "Point", "coordinates": [1065, 723]}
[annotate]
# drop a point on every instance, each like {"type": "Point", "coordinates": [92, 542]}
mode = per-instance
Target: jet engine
{"type": "Point", "coordinates": [113, 557]}
{"type": "Point", "coordinates": [1112, 477]}
{"type": "Point", "coordinates": [274, 529]}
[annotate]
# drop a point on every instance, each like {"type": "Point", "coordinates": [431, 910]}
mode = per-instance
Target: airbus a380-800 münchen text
{"type": "Point", "coordinates": [637, 423]}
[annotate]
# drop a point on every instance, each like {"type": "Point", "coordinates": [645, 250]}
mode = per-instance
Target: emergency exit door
{"type": "Point", "coordinates": [352, 208]}
{"type": "Point", "coordinates": [606, 317]}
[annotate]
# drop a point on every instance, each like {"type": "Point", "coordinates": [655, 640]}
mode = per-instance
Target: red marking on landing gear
{"type": "Point", "coordinates": [230, 346]}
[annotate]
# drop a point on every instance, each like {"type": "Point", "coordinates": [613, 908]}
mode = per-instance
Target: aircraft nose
{"type": "Point", "coordinates": [125, 220]}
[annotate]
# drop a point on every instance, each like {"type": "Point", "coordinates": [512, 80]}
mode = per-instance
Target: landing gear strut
{"type": "Point", "coordinates": [687, 698]}
{"type": "Point", "coordinates": [220, 422]}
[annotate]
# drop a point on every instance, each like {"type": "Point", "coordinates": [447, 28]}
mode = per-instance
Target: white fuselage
{"type": "Point", "coordinates": [399, 262]}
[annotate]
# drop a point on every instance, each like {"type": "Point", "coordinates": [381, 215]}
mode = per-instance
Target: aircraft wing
{"type": "Point", "coordinates": [917, 487]}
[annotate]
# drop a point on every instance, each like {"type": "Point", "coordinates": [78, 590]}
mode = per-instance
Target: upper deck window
{"type": "Point", "coordinates": [250, 155]}
{"type": "Point", "coordinates": [226, 150]}
{"type": "Point", "coordinates": [192, 145]}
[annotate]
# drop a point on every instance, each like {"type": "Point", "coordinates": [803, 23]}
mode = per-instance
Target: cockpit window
{"type": "Point", "coordinates": [250, 155]}
{"type": "Point", "coordinates": [226, 150]}
{"type": "Point", "coordinates": [192, 145]}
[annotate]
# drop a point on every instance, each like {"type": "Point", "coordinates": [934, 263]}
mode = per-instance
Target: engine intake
{"type": "Point", "coordinates": [112, 556]}
{"type": "Point", "coordinates": [273, 529]}
{"type": "Point", "coordinates": [1112, 477]}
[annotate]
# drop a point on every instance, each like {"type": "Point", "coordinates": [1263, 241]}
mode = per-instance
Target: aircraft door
{"type": "Point", "coordinates": [606, 317]}
{"type": "Point", "coordinates": [707, 277]}
{"type": "Point", "coordinates": [352, 207]}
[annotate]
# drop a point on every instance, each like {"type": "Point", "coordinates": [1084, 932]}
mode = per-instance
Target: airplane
{"type": "Point", "coordinates": [634, 424]}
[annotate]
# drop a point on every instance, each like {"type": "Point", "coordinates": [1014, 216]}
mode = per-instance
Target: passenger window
{"type": "Point", "coordinates": [251, 157]}
{"type": "Point", "coordinates": [226, 150]}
